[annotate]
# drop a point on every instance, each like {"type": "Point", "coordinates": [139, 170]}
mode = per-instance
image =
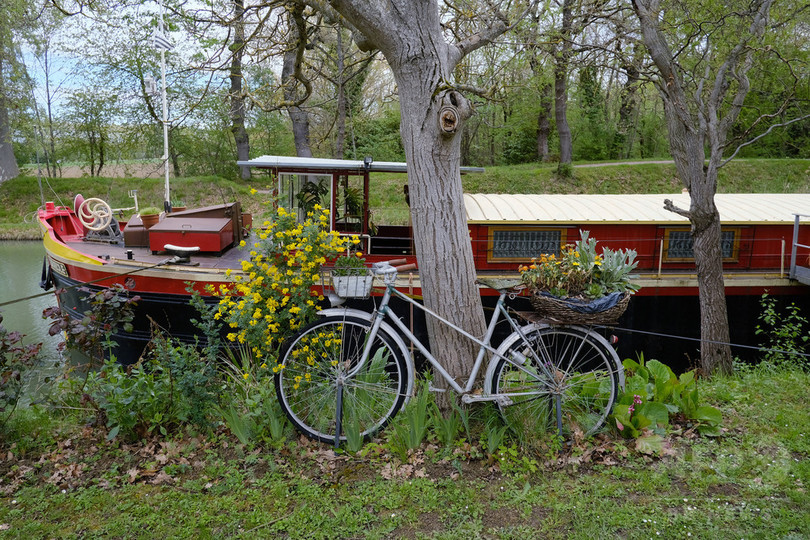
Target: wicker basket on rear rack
{"type": "Point", "coordinates": [352, 282]}
{"type": "Point", "coordinates": [606, 310]}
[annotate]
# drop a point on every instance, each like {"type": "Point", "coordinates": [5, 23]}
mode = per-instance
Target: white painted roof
{"type": "Point", "coordinates": [606, 209]}
{"type": "Point", "coordinates": [328, 165]}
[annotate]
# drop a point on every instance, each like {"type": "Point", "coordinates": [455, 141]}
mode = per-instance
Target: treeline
{"type": "Point", "coordinates": [81, 82]}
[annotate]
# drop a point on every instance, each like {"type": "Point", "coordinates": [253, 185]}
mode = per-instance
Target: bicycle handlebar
{"type": "Point", "coordinates": [392, 267]}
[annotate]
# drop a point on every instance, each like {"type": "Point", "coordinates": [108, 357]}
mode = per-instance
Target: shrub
{"type": "Point", "coordinates": [173, 387]}
{"type": "Point", "coordinates": [653, 394]}
{"type": "Point", "coordinates": [273, 297]}
{"type": "Point", "coordinates": [15, 360]}
{"type": "Point", "coordinates": [787, 335]}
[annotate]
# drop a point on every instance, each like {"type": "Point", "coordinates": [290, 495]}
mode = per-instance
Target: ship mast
{"type": "Point", "coordinates": [162, 42]}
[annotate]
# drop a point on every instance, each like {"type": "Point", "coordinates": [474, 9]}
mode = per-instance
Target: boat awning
{"type": "Point", "coordinates": [304, 164]}
{"type": "Point", "coordinates": [554, 209]}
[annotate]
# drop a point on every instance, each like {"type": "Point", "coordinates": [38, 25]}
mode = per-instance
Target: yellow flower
{"type": "Point", "coordinates": [245, 376]}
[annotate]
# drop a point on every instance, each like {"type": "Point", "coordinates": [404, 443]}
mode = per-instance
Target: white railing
{"type": "Point", "coordinates": [796, 271]}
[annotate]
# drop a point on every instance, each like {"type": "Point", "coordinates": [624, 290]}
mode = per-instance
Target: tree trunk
{"type": "Point", "coordinates": [410, 36]}
{"type": "Point", "coordinates": [441, 237]}
{"type": "Point", "coordinates": [561, 59]}
{"type": "Point", "coordinates": [8, 163]}
{"type": "Point", "coordinates": [715, 355]}
{"type": "Point", "coordinates": [340, 135]}
{"type": "Point", "coordinates": [290, 68]}
{"type": "Point", "coordinates": [544, 122]}
{"type": "Point", "coordinates": [240, 134]}
{"type": "Point", "coordinates": [697, 122]}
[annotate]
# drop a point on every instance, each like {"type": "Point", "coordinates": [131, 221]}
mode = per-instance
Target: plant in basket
{"type": "Point", "coordinates": [579, 281]}
{"type": "Point", "coordinates": [350, 276]}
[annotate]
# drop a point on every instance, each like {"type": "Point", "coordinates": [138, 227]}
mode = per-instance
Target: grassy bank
{"type": "Point", "coordinates": [66, 480]}
{"type": "Point", "coordinates": [20, 197]}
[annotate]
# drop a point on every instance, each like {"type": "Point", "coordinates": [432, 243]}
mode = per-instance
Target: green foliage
{"type": "Point", "coordinates": [349, 265]}
{"type": "Point", "coordinates": [249, 405]}
{"type": "Point", "coordinates": [149, 211]}
{"type": "Point", "coordinates": [653, 394]}
{"type": "Point", "coordinates": [273, 295]}
{"type": "Point", "coordinates": [786, 333]}
{"type": "Point", "coordinates": [411, 425]}
{"type": "Point", "coordinates": [173, 387]}
{"type": "Point", "coordinates": [108, 309]}
{"type": "Point", "coordinates": [447, 426]}
{"type": "Point", "coordinates": [377, 136]}
{"type": "Point", "coordinates": [15, 360]}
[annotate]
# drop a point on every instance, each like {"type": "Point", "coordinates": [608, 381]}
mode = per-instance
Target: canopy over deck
{"type": "Point", "coordinates": [540, 209]}
{"type": "Point", "coordinates": [302, 164]}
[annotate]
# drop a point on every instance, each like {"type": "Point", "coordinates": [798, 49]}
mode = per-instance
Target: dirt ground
{"type": "Point", "coordinates": [117, 170]}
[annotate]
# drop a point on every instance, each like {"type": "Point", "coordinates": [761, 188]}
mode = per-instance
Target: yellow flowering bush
{"type": "Point", "coordinates": [579, 270]}
{"type": "Point", "coordinates": [273, 296]}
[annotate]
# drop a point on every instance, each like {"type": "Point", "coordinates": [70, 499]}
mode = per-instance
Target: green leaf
{"type": "Point", "coordinates": [113, 432]}
{"type": "Point", "coordinates": [656, 412]}
{"type": "Point", "coordinates": [650, 444]}
{"type": "Point", "coordinates": [710, 431]}
{"type": "Point", "coordinates": [709, 414]}
{"type": "Point", "coordinates": [660, 372]}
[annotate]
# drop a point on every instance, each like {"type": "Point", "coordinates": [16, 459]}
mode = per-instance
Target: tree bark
{"type": "Point", "coordinates": [340, 135]}
{"type": "Point", "coordinates": [290, 73]}
{"type": "Point", "coordinates": [561, 60]}
{"type": "Point", "coordinates": [409, 35]}
{"type": "Point", "coordinates": [8, 163]}
{"type": "Point", "coordinates": [240, 134]}
{"type": "Point", "coordinates": [544, 122]}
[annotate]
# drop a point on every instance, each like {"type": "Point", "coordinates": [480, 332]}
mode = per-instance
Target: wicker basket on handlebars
{"type": "Point", "coordinates": [576, 311]}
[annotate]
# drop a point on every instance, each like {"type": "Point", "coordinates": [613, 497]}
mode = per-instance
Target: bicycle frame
{"type": "Point", "coordinates": [484, 344]}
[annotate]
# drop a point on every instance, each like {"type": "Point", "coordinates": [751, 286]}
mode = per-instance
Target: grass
{"type": "Point", "coordinates": [752, 482]}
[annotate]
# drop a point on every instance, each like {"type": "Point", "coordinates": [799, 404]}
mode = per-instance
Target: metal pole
{"type": "Point", "coordinates": [794, 246]}
{"type": "Point", "coordinates": [166, 192]}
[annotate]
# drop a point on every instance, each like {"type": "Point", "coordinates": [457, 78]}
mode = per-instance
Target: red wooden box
{"type": "Point", "coordinates": [211, 235]}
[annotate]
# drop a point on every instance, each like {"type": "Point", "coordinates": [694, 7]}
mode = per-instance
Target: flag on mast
{"type": "Point", "coordinates": [160, 41]}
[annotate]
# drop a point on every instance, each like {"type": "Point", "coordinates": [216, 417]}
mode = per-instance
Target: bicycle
{"type": "Point", "coordinates": [351, 369]}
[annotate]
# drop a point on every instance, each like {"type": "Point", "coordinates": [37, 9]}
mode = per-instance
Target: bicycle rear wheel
{"type": "Point", "coordinates": [560, 378]}
{"type": "Point", "coordinates": [323, 388]}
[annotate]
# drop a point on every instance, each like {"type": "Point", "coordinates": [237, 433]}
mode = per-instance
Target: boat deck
{"type": "Point", "coordinates": [230, 258]}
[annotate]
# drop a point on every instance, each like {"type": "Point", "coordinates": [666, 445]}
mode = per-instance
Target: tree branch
{"type": "Point", "coordinates": [669, 205]}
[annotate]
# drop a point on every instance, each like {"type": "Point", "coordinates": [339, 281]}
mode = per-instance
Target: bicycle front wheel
{"type": "Point", "coordinates": [323, 387]}
{"type": "Point", "coordinates": [559, 378]}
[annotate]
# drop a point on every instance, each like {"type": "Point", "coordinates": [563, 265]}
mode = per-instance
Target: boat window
{"type": "Point", "coordinates": [515, 244]}
{"type": "Point", "coordinates": [678, 244]}
{"type": "Point", "coordinates": [348, 210]}
{"type": "Point", "coordinates": [301, 192]}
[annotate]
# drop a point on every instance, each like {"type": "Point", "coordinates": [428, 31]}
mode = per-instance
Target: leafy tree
{"type": "Point", "coordinates": [90, 114]}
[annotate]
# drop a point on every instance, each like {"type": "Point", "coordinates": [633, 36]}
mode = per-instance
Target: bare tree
{"type": "Point", "coordinates": [240, 134]}
{"type": "Point", "coordinates": [702, 59]}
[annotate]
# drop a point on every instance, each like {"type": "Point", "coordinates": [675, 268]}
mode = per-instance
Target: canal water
{"type": "Point", "coordinates": [20, 270]}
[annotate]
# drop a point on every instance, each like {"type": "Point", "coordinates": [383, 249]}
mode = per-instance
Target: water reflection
{"type": "Point", "coordinates": [20, 270]}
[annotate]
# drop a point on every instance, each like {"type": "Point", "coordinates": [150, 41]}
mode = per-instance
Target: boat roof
{"type": "Point", "coordinates": [308, 164]}
{"type": "Point", "coordinates": [554, 209]}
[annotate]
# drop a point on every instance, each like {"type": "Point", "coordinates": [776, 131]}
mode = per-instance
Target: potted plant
{"type": "Point", "coordinates": [350, 276]}
{"type": "Point", "coordinates": [178, 206]}
{"type": "Point", "coordinates": [149, 216]}
{"type": "Point", "coordinates": [580, 286]}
